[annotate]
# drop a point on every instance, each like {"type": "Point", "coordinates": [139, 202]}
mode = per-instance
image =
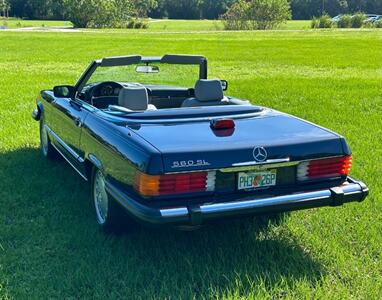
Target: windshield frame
{"type": "Point", "coordinates": [201, 61]}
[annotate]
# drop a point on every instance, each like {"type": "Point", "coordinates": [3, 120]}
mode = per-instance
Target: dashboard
{"type": "Point", "coordinates": [101, 95]}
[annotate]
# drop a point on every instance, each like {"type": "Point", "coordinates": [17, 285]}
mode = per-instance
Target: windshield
{"type": "Point", "coordinates": [175, 75]}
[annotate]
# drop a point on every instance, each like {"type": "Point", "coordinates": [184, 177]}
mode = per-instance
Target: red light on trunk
{"type": "Point", "coordinates": [222, 124]}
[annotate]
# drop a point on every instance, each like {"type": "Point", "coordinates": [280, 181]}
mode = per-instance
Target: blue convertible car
{"type": "Point", "coordinates": [162, 154]}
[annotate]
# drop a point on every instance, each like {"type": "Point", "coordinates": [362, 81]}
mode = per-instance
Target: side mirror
{"type": "Point", "coordinates": [64, 91]}
{"type": "Point", "coordinates": [224, 85]}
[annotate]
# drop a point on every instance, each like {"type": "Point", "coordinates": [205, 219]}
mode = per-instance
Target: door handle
{"type": "Point", "coordinates": [77, 121]}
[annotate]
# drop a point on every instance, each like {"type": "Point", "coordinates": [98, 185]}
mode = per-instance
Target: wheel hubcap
{"type": "Point", "coordinates": [101, 200]}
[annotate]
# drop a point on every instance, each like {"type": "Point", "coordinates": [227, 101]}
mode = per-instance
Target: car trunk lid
{"type": "Point", "coordinates": [189, 146]}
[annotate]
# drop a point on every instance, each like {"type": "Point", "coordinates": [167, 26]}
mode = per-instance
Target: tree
{"type": "Point", "coordinates": [98, 13]}
{"type": "Point", "coordinates": [4, 8]}
{"type": "Point", "coordinates": [306, 9]}
{"type": "Point", "coordinates": [175, 9]}
{"type": "Point", "coordinates": [142, 7]}
{"type": "Point", "coordinates": [257, 14]}
{"type": "Point", "coordinates": [268, 14]}
{"type": "Point", "coordinates": [37, 9]}
{"type": "Point", "coordinates": [236, 18]}
{"type": "Point", "coordinates": [123, 10]}
{"type": "Point", "coordinates": [86, 13]}
{"type": "Point", "coordinates": [212, 9]}
{"type": "Point", "coordinates": [17, 8]}
{"type": "Point", "coordinates": [179, 9]}
{"type": "Point", "coordinates": [190, 9]}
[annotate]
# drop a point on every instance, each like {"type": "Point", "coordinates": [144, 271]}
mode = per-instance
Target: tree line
{"type": "Point", "coordinates": [174, 9]}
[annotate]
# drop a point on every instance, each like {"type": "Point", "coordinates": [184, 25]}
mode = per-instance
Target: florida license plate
{"type": "Point", "coordinates": [257, 179]}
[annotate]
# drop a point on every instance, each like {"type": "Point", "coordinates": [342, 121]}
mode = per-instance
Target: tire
{"type": "Point", "coordinates": [46, 147]}
{"type": "Point", "coordinates": [110, 216]}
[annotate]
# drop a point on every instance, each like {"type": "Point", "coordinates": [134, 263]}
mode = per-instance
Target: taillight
{"type": "Point", "coordinates": [324, 168]}
{"type": "Point", "coordinates": [170, 184]}
{"type": "Point", "coordinates": [223, 124]}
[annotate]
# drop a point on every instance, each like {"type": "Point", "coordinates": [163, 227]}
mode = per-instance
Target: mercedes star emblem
{"type": "Point", "coordinates": [260, 154]}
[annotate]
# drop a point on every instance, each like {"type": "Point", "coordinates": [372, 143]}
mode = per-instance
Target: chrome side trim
{"type": "Point", "coordinates": [59, 151]}
{"type": "Point", "coordinates": [63, 144]}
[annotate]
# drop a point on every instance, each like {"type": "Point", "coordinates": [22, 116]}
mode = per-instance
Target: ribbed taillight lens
{"type": "Point", "coordinates": [324, 168]}
{"type": "Point", "coordinates": [170, 184]}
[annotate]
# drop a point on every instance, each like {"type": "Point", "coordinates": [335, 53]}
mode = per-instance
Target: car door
{"type": "Point", "coordinates": [66, 119]}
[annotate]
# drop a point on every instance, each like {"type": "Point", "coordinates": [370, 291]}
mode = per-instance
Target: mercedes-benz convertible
{"type": "Point", "coordinates": [160, 146]}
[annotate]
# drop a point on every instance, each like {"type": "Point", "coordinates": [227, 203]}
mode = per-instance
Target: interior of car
{"type": "Point", "coordinates": [138, 97]}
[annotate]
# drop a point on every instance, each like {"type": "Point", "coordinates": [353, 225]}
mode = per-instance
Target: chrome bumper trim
{"type": "Point", "coordinates": [267, 202]}
{"type": "Point", "coordinates": [351, 190]}
{"type": "Point", "coordinates": [174, 212]}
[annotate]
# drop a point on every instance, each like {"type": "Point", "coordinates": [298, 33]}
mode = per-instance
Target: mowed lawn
{"type": "Point", "coordinates": [50, 246]}
{"type": "Point", "coordinates": [20, 23]}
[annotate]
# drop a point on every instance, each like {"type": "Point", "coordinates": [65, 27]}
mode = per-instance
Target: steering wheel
{"type": "Point", "coordinates": [105, 94]}
{"type": "Point", "coordinates": [106, 89]}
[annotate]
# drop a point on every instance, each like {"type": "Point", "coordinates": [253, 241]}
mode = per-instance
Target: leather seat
{"type": "Point", "coordinates": [135, 99]}
{"type": "Point", "coordinates": [207, 93]}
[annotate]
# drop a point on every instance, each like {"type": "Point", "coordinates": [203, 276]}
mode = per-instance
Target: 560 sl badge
{"type": "Point", "coordinates": [189, 163]}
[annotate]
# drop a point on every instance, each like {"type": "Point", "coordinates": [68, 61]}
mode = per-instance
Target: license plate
{"type": "Point", "coordinates": [256, 180]}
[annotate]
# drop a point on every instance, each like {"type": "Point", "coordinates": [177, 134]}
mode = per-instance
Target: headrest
{"type": "Point", "coordinates": [208, 90]}
{"type": "Point", "coordinates": [133, 98]}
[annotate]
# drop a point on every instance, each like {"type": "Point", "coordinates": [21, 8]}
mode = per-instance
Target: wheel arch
{"type": "Point", "coordinates": [92, 162]}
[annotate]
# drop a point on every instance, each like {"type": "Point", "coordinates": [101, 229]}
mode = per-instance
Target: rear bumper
{"type": "Point", "coordinates": [350, 191]}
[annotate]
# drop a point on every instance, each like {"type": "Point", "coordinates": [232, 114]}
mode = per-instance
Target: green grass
{"type": "Point", "coordinates": [20, 23]}
{"type": "Point", "coordinates": [296, 25]}
{"type": "Point", "coordinates": [50, 246]}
